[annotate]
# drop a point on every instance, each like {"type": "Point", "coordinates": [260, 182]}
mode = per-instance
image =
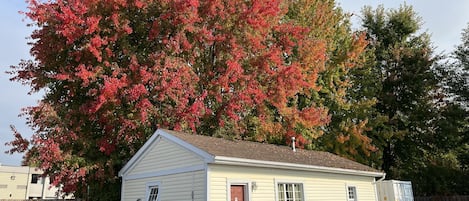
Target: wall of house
{"type": "Point", "coordinates": [13, 181]}
{"type": "Point", "coordinates": [17, 181]}
{"type": "Point", "coordinates": [165, 155]}
{"type": "Point", "coordinates": [179, 172]}
{"type": "Point", "coordinates": [180, 186]}
{"type": "Point", "coordinates": [316, 186]}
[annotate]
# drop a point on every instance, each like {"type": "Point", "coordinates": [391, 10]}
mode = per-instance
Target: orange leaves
{"type": "Point", "coordinates": [353, 135]}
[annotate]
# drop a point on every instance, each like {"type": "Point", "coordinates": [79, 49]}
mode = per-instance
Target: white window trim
{"type": "Point", "coordinates": [149, 184]}
{"type": "Point", "coordinates": [284, 181]}
{"type": "Point", "coordinates": [346, 191]}
{"type": "Point", "coordinates": [247, 189]}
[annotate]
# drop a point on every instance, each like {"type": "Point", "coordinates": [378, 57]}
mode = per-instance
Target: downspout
{"type": "Point", "coordinates": [376, 189]}
{"type": "Point", "coordinates": [43, 180]}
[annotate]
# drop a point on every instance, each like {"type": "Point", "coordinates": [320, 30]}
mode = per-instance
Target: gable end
{"type": "Point", "coordinates": [153, 141]}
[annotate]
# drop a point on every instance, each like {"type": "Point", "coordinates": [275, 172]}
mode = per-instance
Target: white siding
{"type": "Point", "coordinates": [179, 172]}
{"type": "Point", "coordinates": [172, 187]}
{"type": "Point", "coordinates": [317, 186]}
{"type": "Point", "coordinates": [165, 155]}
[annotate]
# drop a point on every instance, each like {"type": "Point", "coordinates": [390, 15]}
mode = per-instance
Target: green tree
{"type": "Point", "coordinates": [459, 71]}
{"type": "Point", "coordinates": [344, 135]}
{"type": "Point", "coordinates": [457, 116]}
{"type": "Point", "coordinates": [404, 102]}
{"type": "Point", "coordinates": [451, 153]}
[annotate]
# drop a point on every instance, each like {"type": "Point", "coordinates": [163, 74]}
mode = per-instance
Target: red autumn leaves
{"type": "Point", "coordinates": [115, 70]}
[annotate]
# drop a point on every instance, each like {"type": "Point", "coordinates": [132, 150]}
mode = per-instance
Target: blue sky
{"type": "Point", "coordinates": [13, 96]}
{"type": "Point", "coordinates": [444, 20]}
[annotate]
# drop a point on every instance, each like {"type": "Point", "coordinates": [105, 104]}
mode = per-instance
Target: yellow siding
{"type": "Point", "coordinates": [317, 186]}
{"type": "Point", "coordinates": [165, 155]}
{"type": "Point", "coordinates": [172, 187]}
{"type": "Point", "coordinates": [16, 187]}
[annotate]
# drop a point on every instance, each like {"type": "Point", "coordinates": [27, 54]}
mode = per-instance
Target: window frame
{"type": "Point", "coordinates": [300, 183]}
{"type": "Point", "coordinates": [148, 190]}
{"type": "Point", "coordinates": [35, 178]}
{"type": "Point", "coordinates": [355, 192]}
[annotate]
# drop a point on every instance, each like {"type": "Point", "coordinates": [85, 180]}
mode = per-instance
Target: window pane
{"type": "Point", "coordinates": [153, 196]}
{"type": "Point", "coordinates": [298, 192]}
{"type": "Point", "coordinates": [290, 192]}
{"type": "Point", "coordinates": [352, 193]}
{"type": "Point", "coordinates": [34, 178]}
{"type": "Point", "coordinates": [281, 192]}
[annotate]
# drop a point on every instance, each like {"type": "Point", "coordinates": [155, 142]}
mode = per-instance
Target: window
{"type": "Point", "coordinates": [352, 193]}
{"type": "Point", "coordinates": [404, 191]}
{"type": "Point", "coordinates": [153, 193]}
{"type": "Point", "coordinates": [34, 178]}
{"type": "Point", "coordinates": [290, 192]}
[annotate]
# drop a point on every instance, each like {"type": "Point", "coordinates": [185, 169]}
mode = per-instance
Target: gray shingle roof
{"type": "Point", "coordinates": [268, 152]}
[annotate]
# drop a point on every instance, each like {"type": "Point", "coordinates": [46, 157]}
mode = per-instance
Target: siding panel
{"type": "Point", "coordinates": [165, 155]}
{"type": "Point", "coordinates": [317, 186]}
{"type": "Point", "coordinates": [172, 187]}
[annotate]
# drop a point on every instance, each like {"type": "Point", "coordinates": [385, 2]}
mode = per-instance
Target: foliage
{"type": "Point", "coordinates": [344, 50]}
{"type": "Point", "coordinates": [113, 71]}
{"type": "Point", "coordinates": [421, 103]}
{"type": "Point", "coordinates": [404, 102]}
{"type": "Point", "coordinates": [459, 73]}
{"type": "Point", "coordinates": [452, 128]}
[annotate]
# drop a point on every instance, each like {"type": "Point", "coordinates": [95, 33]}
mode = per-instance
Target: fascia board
{"type": "Point", "coordinates": [291, 166]}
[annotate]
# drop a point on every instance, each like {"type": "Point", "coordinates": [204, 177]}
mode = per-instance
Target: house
{"type": "Point", "coordinates": [23, 182]}
{"type": "Point", "coordinates": [178, 166]}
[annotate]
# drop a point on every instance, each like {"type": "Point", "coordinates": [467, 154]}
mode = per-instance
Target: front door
{"type": "Point", "coordinates": [237, 192]}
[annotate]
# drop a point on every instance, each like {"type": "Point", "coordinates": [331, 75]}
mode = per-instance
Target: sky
{"type": "Point", "coordinates": [444, 20]}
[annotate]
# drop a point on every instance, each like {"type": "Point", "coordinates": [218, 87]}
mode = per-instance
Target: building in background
{"type": "Point", "coordinates": [22, 182]}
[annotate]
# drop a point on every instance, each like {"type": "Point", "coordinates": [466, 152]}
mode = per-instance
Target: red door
{"type": "Point", "coordinates": [237, 193]}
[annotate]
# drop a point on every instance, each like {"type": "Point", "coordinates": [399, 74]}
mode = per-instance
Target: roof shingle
{"type": "Point", "coordinates": [268, 152]}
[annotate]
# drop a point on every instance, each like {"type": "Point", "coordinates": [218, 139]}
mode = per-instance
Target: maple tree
{"type": "Point", "coordinates": [338, 81]}
{"type": "Point", "coordinates": [114, 71]}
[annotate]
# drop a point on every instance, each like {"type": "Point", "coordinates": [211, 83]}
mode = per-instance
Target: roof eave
{"type": "Point", "coordinates": [292, 166]}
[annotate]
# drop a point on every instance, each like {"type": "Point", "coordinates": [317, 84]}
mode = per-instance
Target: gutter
{"type": "Point", "coordinates": [292, 166]}
{"type": "Point", "coordinates": [381, 179]}
{"type": "Point", "coordinates": [376, 187]}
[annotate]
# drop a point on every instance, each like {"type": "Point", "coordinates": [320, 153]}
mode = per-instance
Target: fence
{"type": "Point", "coordinates": [443, 198]}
